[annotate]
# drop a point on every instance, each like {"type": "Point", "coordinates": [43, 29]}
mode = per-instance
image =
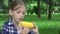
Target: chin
{"type": "Point", "coordinates": [19, 21]}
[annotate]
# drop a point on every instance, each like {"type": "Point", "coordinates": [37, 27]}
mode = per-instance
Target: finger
{"type": "Point", "coordinates": [35, 26]}
{"type": "Point", "coordinates": [20, 26]}
{"type": "Point", "coordinates": [26, 28]}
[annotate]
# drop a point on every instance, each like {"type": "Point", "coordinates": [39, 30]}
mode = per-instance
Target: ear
{"type": "Point", "coordinates": [10, 12]}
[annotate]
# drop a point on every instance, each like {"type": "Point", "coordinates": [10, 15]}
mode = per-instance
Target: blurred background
{"type": "Point", "coordinates": [44, 13]}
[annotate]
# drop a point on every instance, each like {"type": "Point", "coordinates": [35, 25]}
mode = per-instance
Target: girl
{"type": "Point", "coordinates": [17, 12]}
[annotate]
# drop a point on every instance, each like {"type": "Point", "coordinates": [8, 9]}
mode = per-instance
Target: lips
{"type": "Point", "coordinates": [20, 19]}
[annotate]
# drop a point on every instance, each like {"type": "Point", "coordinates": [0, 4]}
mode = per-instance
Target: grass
{"type": "Point", "coordinates": [45, 26]}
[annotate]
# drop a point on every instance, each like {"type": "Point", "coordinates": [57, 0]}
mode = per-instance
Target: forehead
{"type": "Point", "coordinates": [20, 7]}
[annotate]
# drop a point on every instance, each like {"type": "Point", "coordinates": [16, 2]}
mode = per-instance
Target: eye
{"type": "Point", "coordinates": [18, 12]}
{"type": "Point", "coordinates": [24, 12]}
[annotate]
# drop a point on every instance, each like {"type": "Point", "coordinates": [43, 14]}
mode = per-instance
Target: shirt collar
{"type": "Point", "coordinates": [10, 21]}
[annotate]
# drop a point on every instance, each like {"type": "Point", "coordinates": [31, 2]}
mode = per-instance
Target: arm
{"type": "Point", "coordinates": [7, 30]}
{"type": "Point", "coordinates": [4, 31]}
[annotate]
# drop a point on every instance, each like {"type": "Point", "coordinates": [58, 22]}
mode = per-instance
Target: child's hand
{"type": "Point", "coordinates": [25, 30]}
{"type": "Point", "coordinates": [35, 30]}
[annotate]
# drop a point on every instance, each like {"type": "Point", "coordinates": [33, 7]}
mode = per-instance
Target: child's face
{"type": "Point", "coordinates": [18, 14]}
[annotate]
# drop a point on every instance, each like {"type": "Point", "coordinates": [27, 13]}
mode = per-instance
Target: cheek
{"type": "Point", "coordinates": [15, 16]}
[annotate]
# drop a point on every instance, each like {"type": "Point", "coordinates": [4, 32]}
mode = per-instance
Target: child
{"type": "Point", "coordinates": [17, 12]}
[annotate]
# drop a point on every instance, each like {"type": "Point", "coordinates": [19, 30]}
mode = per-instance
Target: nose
{"type": "Point", "coordinates": [21, 15]}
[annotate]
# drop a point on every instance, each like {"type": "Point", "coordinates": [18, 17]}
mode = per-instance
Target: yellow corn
{"type": "Point", "coordinates": [26, 24]}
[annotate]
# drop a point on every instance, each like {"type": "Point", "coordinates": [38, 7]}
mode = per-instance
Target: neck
{"type": "Point", "coordinates": [15, 23]}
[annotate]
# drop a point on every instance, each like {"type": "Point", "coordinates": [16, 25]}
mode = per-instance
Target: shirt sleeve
{"type": "Point", "coordinates": [5, 30]}
{"type": "Point", "coordinates": [8, 30]}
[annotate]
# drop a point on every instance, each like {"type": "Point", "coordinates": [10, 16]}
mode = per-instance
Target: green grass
{"type": "Point", "coordinates": [45, 26]}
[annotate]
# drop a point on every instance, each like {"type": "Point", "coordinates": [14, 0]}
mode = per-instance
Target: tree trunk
{"type": "Point", "coordinates": [47, 9]}
{"type": "Point", "coordinates": [50, 9]}
{"type": "Point", "coordinates": [38, 3]}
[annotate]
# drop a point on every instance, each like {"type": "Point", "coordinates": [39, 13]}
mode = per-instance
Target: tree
{"type": "Point", "coordinates": [1, 1]}
{"type": "Point", "coordinates": [50, 9]}
{"type": "Point", "coordinates": [5, 6]}
{"type": "Point", "coordinates": [38, 5]}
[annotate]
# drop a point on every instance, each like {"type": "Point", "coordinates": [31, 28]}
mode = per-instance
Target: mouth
{"type": "Point", "coordinates": [20, 19]}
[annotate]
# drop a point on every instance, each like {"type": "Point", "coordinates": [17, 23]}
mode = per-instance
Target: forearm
{"type": "Point", "coordinates": [36, 32]}
{"type": "Point", "coordinates": [23, 33]}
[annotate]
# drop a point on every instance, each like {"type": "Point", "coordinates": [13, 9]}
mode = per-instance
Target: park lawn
{"type": "Point", "coordinates": [45, 26]}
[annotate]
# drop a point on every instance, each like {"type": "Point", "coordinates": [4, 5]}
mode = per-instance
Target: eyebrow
{"type": "Point", "coordinates": [20, 11]}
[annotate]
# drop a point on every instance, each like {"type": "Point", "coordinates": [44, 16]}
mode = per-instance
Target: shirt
{"type": "Point", "coordinates": [10, 28]}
